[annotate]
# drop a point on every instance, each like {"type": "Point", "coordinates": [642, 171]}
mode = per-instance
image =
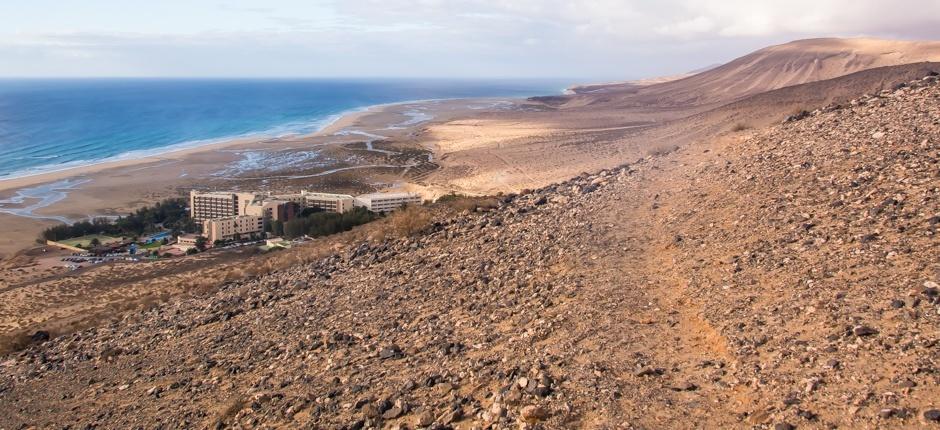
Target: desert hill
{"type": "Point", "coordinates": [768, 69]}
{"type": "Point", "coordinates": [517, 150]}
{"type": "Point", "coordinates": [781, 278]}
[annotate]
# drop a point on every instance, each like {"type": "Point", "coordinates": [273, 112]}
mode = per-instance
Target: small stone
{"type": "Point", "coordinates": [650, 371]}
{"type": "Point", "coordinates": [425, 419]}
{"type": "Point", "coordinates": [40, 336]}
{"type": "Point", "coordinates": [887, 413]}
{"type": "Point", "coordinates": [932, 415]}
{"type": "Point", "coordinates": [391, 351]}
{"type": "Point", "coordinates": [394, 412]}
{"type": "Point", "coordinates": [897, 304]}
{"type": "Point", "coordinates": [784, 426]}
{"type": "Point", "coordinates": [533, 413]}
{"type": "Point", "coordinates": [807, 415]}
{"type": "Point", "coordinates": [862, 330]}
{"type": "Point", "coordinates": [685, 386]}
{"type": "Point", "coordinates": [450, 417]}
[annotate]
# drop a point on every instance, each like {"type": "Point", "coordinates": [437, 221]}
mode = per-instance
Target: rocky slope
{"type": "Point", "coordinates": [783, 279]}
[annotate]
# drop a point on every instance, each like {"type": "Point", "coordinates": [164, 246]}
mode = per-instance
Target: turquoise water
{"type": "Point", "coordinates": [48, 125]}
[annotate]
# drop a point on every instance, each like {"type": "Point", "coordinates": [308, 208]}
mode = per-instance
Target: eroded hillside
{"type": "Point", "coordinates": [775, 279]}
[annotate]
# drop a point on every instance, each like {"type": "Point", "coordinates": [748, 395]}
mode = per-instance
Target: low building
{"type": "Point", "coordinates": [277, 242]}
{"type": "Point", "coordinates": [157, 237]}
{"type": "Point", "coordinates": [187, 241]}
{"type": "Point", "coordinates": [339, 203]}
{"type": "Point", "coordinates": [234, 227]}
{"type": "Point", "coordinates": [387, 202]}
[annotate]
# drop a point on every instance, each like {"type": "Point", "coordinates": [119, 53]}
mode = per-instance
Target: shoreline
{"type": "Point", "coordinates": [116, 187]}
{"type": "Point", "coordinates": [176, 150]}
{"type": "Point", "coordinates": [331, 124]}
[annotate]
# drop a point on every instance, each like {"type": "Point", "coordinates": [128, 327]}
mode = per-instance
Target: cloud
{"type": "Point", "coordinates": [688, 28]}
{"type": "Point", "coordinates": [602, 38]}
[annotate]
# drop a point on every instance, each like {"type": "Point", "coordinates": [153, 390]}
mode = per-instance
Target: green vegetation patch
{"type": "Point", "coordinates": [170, 214]}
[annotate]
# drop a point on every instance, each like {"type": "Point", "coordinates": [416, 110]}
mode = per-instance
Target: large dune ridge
{"type": "Point", "coordinates": [561, 136]}
{"type": "Point", "coordinates": [771, 68]}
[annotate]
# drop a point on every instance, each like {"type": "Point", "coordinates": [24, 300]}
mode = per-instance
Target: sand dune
{"type": "Point", "coordinates": [768, 69]}
{"type": "Point", "coordinates": [570, 134]}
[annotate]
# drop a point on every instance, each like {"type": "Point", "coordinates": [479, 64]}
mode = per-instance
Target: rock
{"type": "Point", "coordinates": [931, 289]}
{"type": "Point", "coordinates": [784, 426]}
{"type": "Point", "coordinates": [394, 412]}
{"type": "Point", "coordinates": [887, 413]}
{"type": "Point", "coordinates": [862, 330]}
{"type": "Point", "coordinates": [391, 352]}
{"type": "Point", "coordinates": [450, 416]}
{"type": "Point", "coordinates": [932, 415]}
{"type": "Point", "coordinates": [897, 304]}
{"type": "Point", "coordinates": [685, 386]}
{"type": "Point", "coordinates": [39, 336]}
{"type": "Point", "coordinates": [650, 371]}
{"type": "Point", "coordinates": [497, 410]}
{"type": "Point", "coordinates": [533, 413]}
{"type": "Point", "coordinates": [425, 419]}
{"type": "Point", "coordinates": [807, 415]}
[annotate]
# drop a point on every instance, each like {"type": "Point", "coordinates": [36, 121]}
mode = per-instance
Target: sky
{"type": "Point", "coordinates": [587, 39]}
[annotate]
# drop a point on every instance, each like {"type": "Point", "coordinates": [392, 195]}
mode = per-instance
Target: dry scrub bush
{"type": "Point", "coordinates": [409, 221]}
{"type": "Point", "coordinates": [464, 203]}
{"type": "Point", "coordinates": [740, 127]}
{"type": "Point", "coordinates": [14, 342]}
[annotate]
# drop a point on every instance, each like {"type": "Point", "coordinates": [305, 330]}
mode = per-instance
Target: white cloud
{"type": "Point", "coordinates": [602, 38]}
{"type": "Point", "coordinates": [688, 28]}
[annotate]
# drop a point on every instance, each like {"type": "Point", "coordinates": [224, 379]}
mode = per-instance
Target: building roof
{"type": "Point", "coordinates": [372, 196]}
{"type": "Point", "coordinates": [327, 196]}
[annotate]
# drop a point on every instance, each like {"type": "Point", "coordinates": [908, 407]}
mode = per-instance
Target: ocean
{"type": "Point", "coordinates": [48, 125]}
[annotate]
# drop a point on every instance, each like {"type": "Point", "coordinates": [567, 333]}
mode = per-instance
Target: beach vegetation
{"type": "Point", "coordinates": [170, 214]}
{"type": "Point", "coordinates": [201, 243]}
{"type": "Point", "coordinates": [320, 223]}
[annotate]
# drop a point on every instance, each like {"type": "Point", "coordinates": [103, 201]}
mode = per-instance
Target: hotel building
{"type": "Point", "coordinates": [273, 210]}
{"type": "Point", "coordinates": [339, 203]}
{"type": "Point", "coordinates": [387, 202]}
{"type": "Point", "coordinates": [206, 206]}
{"type": "Point", "coordinates": [231, 227]}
